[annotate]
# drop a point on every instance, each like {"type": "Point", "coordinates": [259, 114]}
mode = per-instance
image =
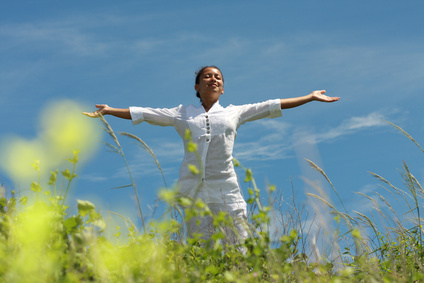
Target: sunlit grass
{"type": "Point", "coordinates": [45, 241]}
{"type": "Point", "coordinates": [61, 129]}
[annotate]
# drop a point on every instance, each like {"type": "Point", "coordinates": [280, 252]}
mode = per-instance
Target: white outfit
{"type": "Point", "coordinates": [214, 132]}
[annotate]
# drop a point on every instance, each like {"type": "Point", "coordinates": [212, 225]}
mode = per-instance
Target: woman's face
{"type": "Point", "coordinates": [210, 85]}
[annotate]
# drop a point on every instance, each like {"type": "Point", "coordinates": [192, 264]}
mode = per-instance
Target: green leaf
{"type": "Point", "coordinates": [167, 195]}
{"type": "Point", "coordinates": [293, 234]}
{"type": "Point", "coordinates": [248, 175]}
{"type": "Point", "coordinates": [3, 201]}
{"type": "Point", "coordinates": [199, 203]}
{"type": "Point", "coordinates": [217, 236]}
{"type": "Point", "coordinates": [67, 174]}
{"type": "Point", "coordinates": [74, 159]}
{"type": "Point", "coordinates": [36, 165]}
{"type": "Point", "coordinates": [23, 200]}
{"type": "Point", "coordinates": [35, 187]}
{"type": "Point", "coordinates": [85, 207]}
{"type": "Point", "coordinates": [193, 169]}
{"type": "Point", "coordinates": [192, 147]}
{"type": "Point", "coordinates": [356, 234]}
{"type": "Point", "coordinates": [185, 201]}
{"type": "Point", "coordinates": [187, 135]}
{"type": "Point", "coordinates": [53, 177]}
{"type": "Point", "coordinates": [71, 223]}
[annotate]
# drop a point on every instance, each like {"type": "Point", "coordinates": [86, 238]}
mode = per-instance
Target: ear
{"type": "Point", "coordinates": [196, 87]}
{"type": "Point", "coordinates": [222, 92]}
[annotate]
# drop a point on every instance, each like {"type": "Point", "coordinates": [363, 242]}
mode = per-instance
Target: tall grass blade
{"type": "Point", "coordinates": [323, 200]}
{"type": "Point", "coordinates": [123, 218]}
{"type": "Point", "coordinates": [119, 150]}
{"type": "Point", "coordinates": [144, 146]}
{"type": "Point", "coordinates": [406, 134]}
{"type": "Point", "coordinates": [121, 187]}
{"type": "Point", "coordinates": [347, 218]}
{"type": "Point", "coordinates": [317, 168]}
{"type": "Point", "coordinates": [368, 221]}
{"type": "Point", "coordinates": [398, 191]}
{"type": "Point", "coordinates": [390, 207]}
{"type": "Point", "coordinates": [108, 129]}
{"type": "Point", "coordinates": [112, 148]}
{"type": "Point", "coordinates": [412, 183]}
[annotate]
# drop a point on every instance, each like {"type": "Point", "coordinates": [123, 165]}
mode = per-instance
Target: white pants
{"type": "Point", "coordinates": [204, 225]}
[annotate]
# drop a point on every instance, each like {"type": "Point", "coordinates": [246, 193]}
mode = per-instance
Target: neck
{"type": "Point", "coordinates": [208, 105]}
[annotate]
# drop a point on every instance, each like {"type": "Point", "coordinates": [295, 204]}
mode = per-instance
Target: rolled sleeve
{"type": "Point", "coordinates": [154, 116]}
{"type": "Point", "coordinates": [251, 112]}
{"type": "Point", "coordinates": [275, 108]}
{"type": "Point", "coordinates": [136, 115]}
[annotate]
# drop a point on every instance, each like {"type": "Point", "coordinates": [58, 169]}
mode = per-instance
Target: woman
{"type": "Point", "coordinates": [213, 129]}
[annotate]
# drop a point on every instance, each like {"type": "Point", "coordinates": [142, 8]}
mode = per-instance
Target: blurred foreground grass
{"type": "Point", "coordinates": [41, 240]}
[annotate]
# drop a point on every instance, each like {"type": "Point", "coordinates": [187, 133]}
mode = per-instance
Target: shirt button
{"type": "Point", "coordinates": [208, 128]}
{"type": "Point", "coordinates": [206, 116]}
{"type": "Point", "coordinates": [208, 132]}
{"type": "Point", "coordinates": [207, 140]}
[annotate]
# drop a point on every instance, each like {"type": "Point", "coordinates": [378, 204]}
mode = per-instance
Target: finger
{"type": "Point", "coordinates": [92, 114]}
{"type": "Point", "coordinates": [334, 98]}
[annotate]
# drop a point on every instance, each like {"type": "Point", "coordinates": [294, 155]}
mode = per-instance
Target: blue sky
{"type": "Point", "coordinates": [145, 53]}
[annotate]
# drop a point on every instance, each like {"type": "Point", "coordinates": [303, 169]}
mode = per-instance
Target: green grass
{"type": "Point", "coordinates": [43, 240]}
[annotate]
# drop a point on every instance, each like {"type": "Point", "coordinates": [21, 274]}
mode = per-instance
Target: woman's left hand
{"type": "Point", "coordinates": [319, 95]}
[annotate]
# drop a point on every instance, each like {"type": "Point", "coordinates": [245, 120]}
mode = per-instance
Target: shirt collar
{"type": "Point", "coordinates": [215, 106]}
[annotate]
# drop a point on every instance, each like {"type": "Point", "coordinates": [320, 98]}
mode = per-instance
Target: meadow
{"type": "Point", "coordinates": [43, 240]}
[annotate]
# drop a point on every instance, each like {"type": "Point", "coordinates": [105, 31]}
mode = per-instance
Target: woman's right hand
{"type": "Point", "coordinates": [102, 110]}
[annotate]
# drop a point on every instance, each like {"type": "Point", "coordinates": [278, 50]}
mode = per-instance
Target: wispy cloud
{"type": "Point", "coordinates": [169, 156]}
{"type": "Point", "coordinates": [349, 126]}
{"type": "Point", "coordinates": [267, 143]}
{"type": "Point", "coordinates": [275, 140]}
{"type": "Point", "coordinates": [61, 39]}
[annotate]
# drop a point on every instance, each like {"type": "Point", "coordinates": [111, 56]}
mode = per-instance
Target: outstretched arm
{"type": "Point", "coordinates": [317, 95]}
{"type": "Point", "coordinates": [104, 109]}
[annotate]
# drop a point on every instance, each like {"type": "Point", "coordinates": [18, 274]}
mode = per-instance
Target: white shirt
{"type": "Point", "coordinates": [214, 132]}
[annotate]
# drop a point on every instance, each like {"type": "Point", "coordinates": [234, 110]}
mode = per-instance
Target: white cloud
{"type": "Point", "coordinates": [267, 140]}
{"type": "Point", "coordinates": [275, 137]}
{"type": "Point", "coordinates": [373, 119]}
{"type": "Point", "coordinates": [58, 37]}
{"type": "Point", "coordinates": [349, 126]}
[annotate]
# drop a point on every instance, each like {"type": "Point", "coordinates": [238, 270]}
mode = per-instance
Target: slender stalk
{"type": "Point", "coordinates": [118, 149]}
{"type": "Point", "coordinates": [135, 191]}
{"type": "Point", "coordinates": [406, 134]}
{"type": "Point", "coordinates": [317, 168]}
{"type": "Point", "coordinates": [144, 146]}
{"type": "Point", "coordinates": [69, 183]}
{"type": "Point", "coordinates": [411, 184]}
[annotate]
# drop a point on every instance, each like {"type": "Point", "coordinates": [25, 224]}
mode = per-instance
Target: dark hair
{"type": "Point", "coordinates": [200, 72]}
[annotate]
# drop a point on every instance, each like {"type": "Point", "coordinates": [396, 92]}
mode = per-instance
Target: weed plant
{"type": "Point", "coordinates": [42, 240]}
